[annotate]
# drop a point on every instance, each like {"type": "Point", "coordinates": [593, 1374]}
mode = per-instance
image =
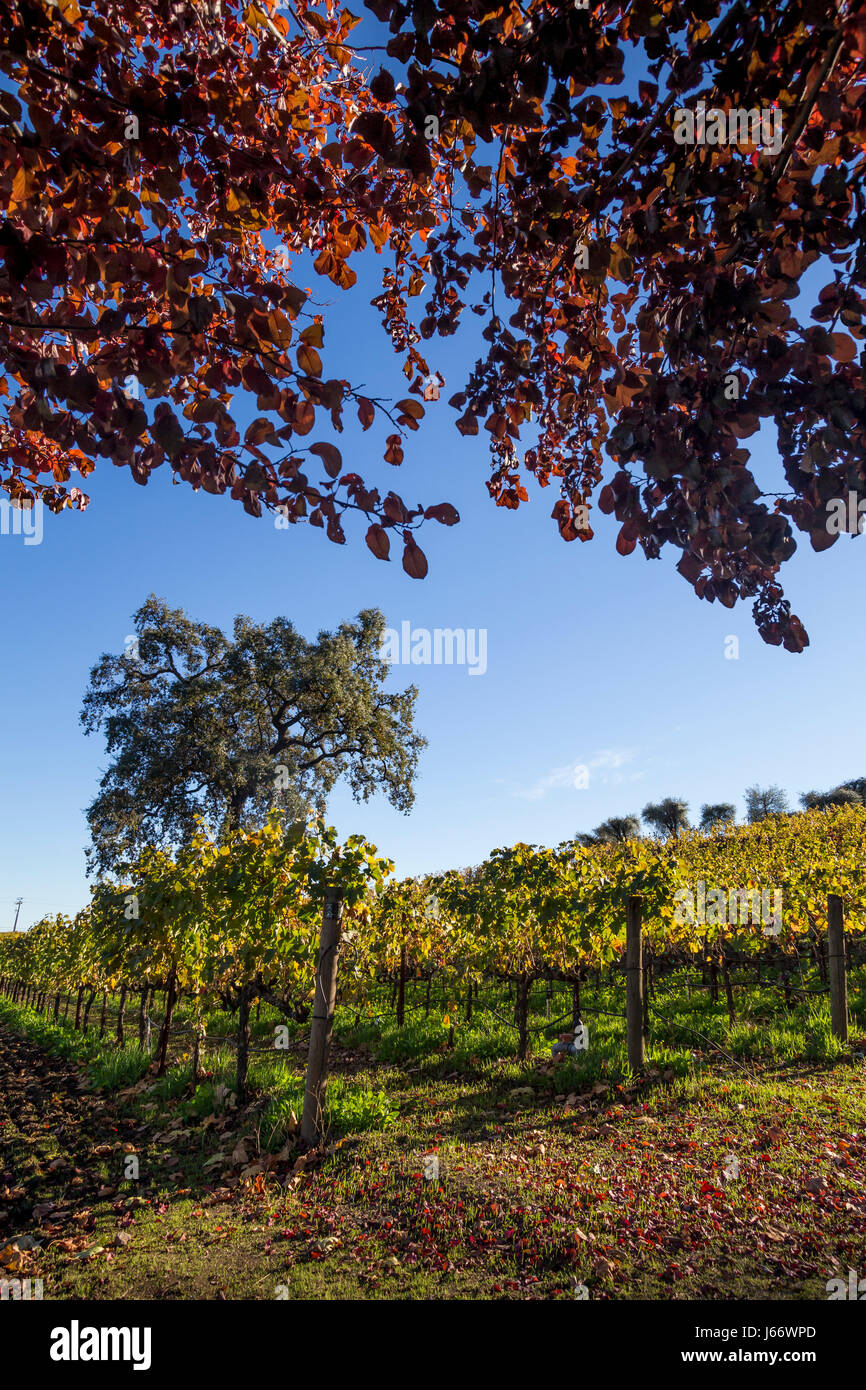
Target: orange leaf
{"type": "Point", "coordinates": [414, 559]}
{"type": "Point", "coordinates": [379, 542]}
{"type": "Point", "coordinates": [331, 458]}
{"type": "Point", "coordinates": [844, 348]}
{"type": "Point", "coordinates": [313, 335]}
{"type": "Point", "coordinates": [309, 361]}
{"type": "Point", "coordinates": [304, 418]}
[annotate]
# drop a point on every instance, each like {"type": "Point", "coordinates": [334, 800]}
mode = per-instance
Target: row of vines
{"type": "Point", "coordinates": [226, 925]}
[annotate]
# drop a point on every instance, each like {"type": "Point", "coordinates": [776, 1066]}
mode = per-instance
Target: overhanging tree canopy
{"type": "Point", "coordinates": [164, 165]}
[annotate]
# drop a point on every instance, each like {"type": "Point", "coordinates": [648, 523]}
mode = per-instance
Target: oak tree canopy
{"type": "Point", "coordinates": [225, 729]}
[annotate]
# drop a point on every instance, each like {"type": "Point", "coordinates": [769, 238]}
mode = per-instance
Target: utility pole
{"type": "Point", "coordinates": [18, 902]}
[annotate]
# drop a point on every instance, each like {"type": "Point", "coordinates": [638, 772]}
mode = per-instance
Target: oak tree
{"type": "Point", "coordinates": [198, 724]}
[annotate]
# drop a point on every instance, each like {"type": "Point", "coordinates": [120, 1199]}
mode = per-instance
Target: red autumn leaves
{"type": "Point", "coordinates": [160, 181]}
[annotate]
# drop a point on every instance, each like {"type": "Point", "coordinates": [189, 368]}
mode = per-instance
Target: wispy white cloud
{"type": "Point", "coordinates": [601, 767]}
{"type": "Point", "coordinates": [612, 757]}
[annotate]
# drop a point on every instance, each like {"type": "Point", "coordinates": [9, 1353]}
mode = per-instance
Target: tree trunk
{"type": "Point", "coordinates": [119, 1033]}
{"type": "Point", "coordinates": [429, 986]}
{"type": "Point", "coordinates": [401, 989]}
{"type": "Point", "coordinates": [323, 1017]}
{"type": "Point", "coordinates": [575, 998]}
{"type": "Point", "coordinates": [785, 974]}
{"type": "Point", "coordinates": [196, 1053]}
{"type": "Point", "coordinates": [170, 998]}
{"type": "Point", "coordinates": [714, 981]}
{"type": "Point", "coordinates": [104, 1011]}
{"type": "Point", "coordinates": [143, 1019]}
{"type": "Point", "coordinates": [469, 1002]}
{"type": "Point", "coordinates": [243, 1045]}
{"type": "Point", "coordinates": [822, 961]}
{"type": "Point", "coordinates": [56, 1005]}
{"type": "Point", "coordinates": [729, 992]}
{"type": "Point", "coordinates": [87, 1009]}
{"type": "Point", "coordinates": [522, 1017]}
{"type": "Point", "coordinates": [78, 1007]}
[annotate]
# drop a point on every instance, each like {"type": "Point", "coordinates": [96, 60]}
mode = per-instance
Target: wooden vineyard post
{"type": "Point", "coordinates": [634, 984]}
{"type": "Point", "coordinates": [401, 989]}
{"type": "Point", "coordinates": [323, 1016]}
{"type": "Point", "coordinates": [836, 968]}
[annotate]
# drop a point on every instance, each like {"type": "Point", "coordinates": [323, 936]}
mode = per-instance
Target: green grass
{"type": "Point", "coordinates": [548, 1175]}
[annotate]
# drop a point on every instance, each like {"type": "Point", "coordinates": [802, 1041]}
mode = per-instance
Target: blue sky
{"type": "Point", "coordinates": [592, 659]}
